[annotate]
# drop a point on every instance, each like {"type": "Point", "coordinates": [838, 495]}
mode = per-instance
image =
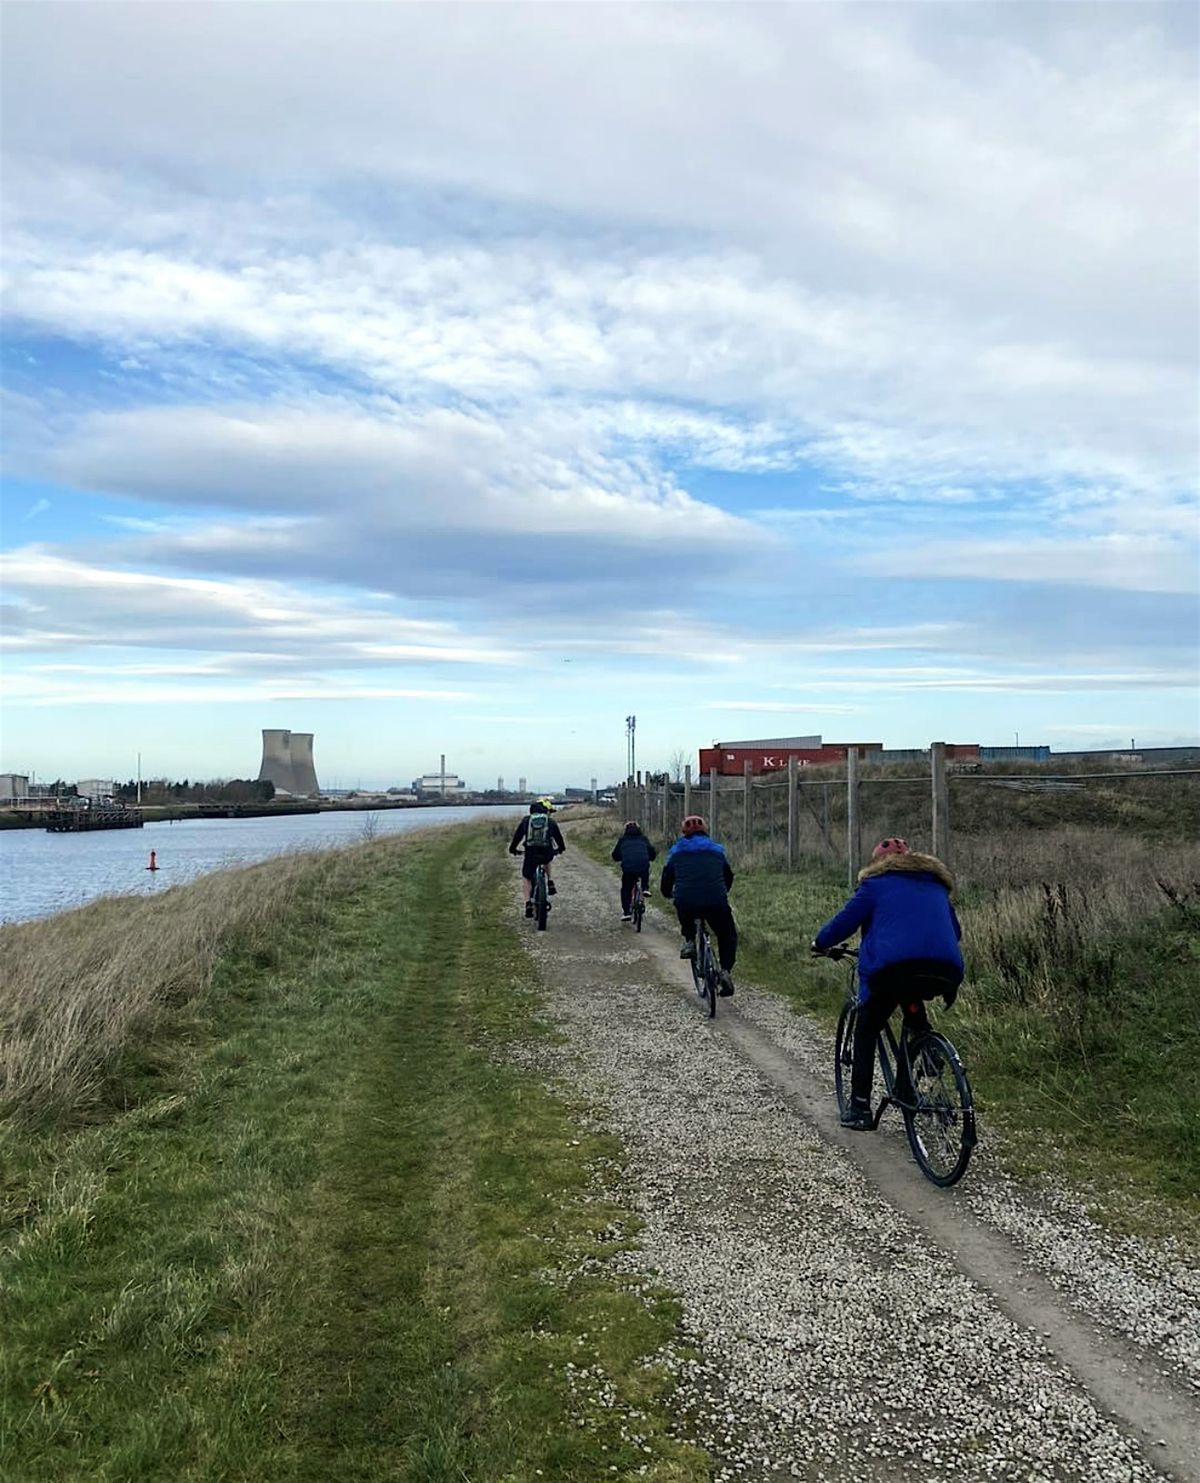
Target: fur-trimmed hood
{"type": "Point", "coordinates": [914, 863]}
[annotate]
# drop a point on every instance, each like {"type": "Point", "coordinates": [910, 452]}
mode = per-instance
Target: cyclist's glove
{"type": "Point", "coordinates": [815, 950]}
{"type": "Point", "coordinates": [950, 996]}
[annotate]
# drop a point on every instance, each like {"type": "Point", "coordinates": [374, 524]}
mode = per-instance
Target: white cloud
{"type": "Point", "coordinates": [57, 602]}
{"type": "Point", "coordinates": [1135, 563]}
{"type": "Point", "coordinates": [999, 155]}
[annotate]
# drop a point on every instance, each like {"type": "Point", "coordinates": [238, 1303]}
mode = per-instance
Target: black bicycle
{"type": "Point", "coordinates": [637, 905]}
{"type": "Point", "coordinates": [923, 1077]}
{"type": "Point", "coordinates": [539, 895]}
{"type": "Point", "coordinates": [704, 968]}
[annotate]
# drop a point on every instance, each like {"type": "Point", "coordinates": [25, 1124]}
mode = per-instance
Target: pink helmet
{"type": "Point", "coordinates": [693, 824]}
{"type": "Point", "coordinates": [890, 847]}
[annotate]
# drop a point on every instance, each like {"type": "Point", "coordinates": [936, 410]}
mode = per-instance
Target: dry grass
{"type": "Point", "coordinates": [83, 992]}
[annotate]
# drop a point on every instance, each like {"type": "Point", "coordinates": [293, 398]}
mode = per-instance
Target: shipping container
{"type": "Point", "coordinates": [731, 761]}
{"type": "Point", "coordinates": [1015, 754]}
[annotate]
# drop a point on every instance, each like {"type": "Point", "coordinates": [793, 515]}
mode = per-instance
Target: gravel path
{"type": "Point", "coordinates": [848, 1319]}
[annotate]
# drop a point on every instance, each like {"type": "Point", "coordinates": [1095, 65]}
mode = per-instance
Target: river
{"type": "Point", "coordinates": [42, 873]}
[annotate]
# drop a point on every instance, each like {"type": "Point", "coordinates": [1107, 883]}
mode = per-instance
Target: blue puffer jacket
{"type": "Point", "coordinates": [633, 852]}
{"type": "Point", "coordinates": [697, 872]}
{"type": "Point", "coordinates": [903, 907]}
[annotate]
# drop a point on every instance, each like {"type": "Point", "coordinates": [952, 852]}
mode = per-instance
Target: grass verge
{"type": "Point", "coordinates": [342, 1238]}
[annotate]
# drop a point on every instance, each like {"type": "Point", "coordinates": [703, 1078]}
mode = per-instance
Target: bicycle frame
{"type": "Point", "coordinates": [923, 1078]}
{"type": "Point", "coordinates": [637, 905]}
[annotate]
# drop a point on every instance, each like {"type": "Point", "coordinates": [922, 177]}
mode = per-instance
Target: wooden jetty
{"type": "Point", "coordinates": [76, 820]}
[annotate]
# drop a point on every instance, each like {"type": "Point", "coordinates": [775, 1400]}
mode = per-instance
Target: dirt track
{"type": "Point", "coordinates": [850, 1320]}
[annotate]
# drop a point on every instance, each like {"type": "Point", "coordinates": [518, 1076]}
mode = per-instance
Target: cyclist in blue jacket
{"type": "Point", "coordinates": [699, 876]}
{"type": "Point", "coordinates": [633, 852]}
{"type": "Point", "coordinates": [909, 952]}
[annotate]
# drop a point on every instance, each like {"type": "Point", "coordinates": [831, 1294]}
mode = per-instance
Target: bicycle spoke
{"type": "Point", "coordinates": [938, 1115]}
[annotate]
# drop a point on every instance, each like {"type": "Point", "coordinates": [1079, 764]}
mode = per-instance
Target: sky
{"type": "Point", "coordinates": [466, 378]}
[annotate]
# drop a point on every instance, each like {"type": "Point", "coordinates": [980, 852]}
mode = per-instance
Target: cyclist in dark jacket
{"type": "Point", "coordinates": [698, 876]}
{"type": "Point", "coordinates": [543, 840]}
{"type": "Point", "coordinates": [909, 952]}
{"type": "Point", "coordinates": [633, 852]}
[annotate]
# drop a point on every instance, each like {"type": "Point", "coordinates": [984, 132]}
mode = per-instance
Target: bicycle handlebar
{"type": "Point", "coordinates": [835, 954]}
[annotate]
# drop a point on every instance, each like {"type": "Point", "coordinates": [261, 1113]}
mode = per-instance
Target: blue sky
{"type": "Point", "coordinates": [462, 379]}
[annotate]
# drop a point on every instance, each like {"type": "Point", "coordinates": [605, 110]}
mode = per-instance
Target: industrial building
{"type": "Point", "coordinates": [287, 761]}
{"type": "Point", "coordinates": [96, 790]}
{"type": "Point", "coordinates": [439, 782]}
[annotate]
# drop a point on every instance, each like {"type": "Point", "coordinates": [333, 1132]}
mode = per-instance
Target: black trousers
{"type": "Point", "coordinates": [720, 918]}
{"type": "Point", "coordinates": [628, 877]}
{"type": "Point", "coordinates": [903, 985]}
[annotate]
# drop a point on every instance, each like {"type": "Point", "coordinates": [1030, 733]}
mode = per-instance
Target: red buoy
{"type": "Point", "coordinates": [153, 862]}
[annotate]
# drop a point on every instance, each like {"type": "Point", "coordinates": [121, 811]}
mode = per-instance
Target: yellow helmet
{"type": "Point", "coordinates": [547, 804]}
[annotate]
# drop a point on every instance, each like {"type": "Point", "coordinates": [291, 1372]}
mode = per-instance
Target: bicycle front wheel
{"type": "Point", "coordinates": [843, 1053]}
{"type": "Point", "coordinates": [940, 1117]}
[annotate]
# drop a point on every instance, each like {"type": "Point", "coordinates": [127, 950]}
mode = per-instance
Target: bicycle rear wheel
{"type": "Point", "coordinates": [843, 1053]}
{"type": "Point", "coordinates": [940, 1117]}
{"type": "Point", "coordinates": [639, 909]}
{"type": "Point", "coordinates": [541, 901]}
{"type": "Point", "coordinates": [710, 979]}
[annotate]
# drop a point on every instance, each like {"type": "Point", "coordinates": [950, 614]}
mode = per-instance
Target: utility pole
{"type": "Point", "coordinates": [139, 781]}
{"type": "Point", "coordinates": [631, 743]}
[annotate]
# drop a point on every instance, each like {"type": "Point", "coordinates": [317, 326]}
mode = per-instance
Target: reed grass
{"type": "Point", "coordinates": [86, 997]}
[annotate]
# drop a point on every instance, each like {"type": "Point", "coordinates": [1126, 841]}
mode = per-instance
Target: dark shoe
{"type": "Point", "coordinates": [552, 888]}
{"type": "Point", "coordinates": [688, 950]}
{"type": "Point", "coordinates": [627, 916]}
{"type": "Point", "coordinates": [726, 984]}
{"type": "Point", "coordinates": [529, 908]}
{"type": "Point", "coordinates": [858, 1119]}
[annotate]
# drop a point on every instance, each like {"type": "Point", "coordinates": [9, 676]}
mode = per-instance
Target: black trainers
{"type": "Point", "coordinates": [725, 991]}
{"type": "Point", "coordinates": [627, 916]}
{"type": "Point", "coordinates": [688, 950]}
{"type": "Point", "coordinates": [858, 1119]}
{"type": "Point", "coordinates": [552, 888]}
{"type": "Point", "coordinates": [529, 908]}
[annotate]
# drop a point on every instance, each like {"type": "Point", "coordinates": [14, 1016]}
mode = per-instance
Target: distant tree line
{"type": "Point", "coordinates": [157, 791]}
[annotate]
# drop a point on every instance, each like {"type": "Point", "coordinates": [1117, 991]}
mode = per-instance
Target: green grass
{"type": "Point", "coordinates": [337, 1236]}
{"type": "Point", "coordinates": [1082, 1058]}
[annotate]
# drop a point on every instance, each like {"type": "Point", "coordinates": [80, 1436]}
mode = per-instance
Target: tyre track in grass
{"type": "Point", "coordinates": [851, 1318]}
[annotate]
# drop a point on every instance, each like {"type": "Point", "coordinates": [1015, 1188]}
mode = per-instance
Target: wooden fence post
{"type": "Point", "coordinates": [793, 814]}
{"type": "Point", "coordinates": [712, 802]}
{"type": "Point", "coordinates": [826, 835]}
{"type": "Point", "coordinates": [666, 806]}
{"type": "Point", "coordinates": [747, 806]}
{"type": "Point", "coordinates": [687, 790]}
{"type": "Point", "coordinates": [941, 802]}
{"type": "Point", "coordinates": [853, 816]}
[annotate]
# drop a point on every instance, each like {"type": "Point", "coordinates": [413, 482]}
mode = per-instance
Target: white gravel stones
{"type": "Point", "coordinates": [831, 1341]}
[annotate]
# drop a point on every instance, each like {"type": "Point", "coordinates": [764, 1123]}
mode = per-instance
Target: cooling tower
{"type": "Point", "coordinates": [277, 760]}
{"type": "Point", "coordinates": [304, 774]}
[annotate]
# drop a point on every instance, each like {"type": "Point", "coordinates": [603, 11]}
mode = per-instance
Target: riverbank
{"type": "Point", "coordinates": [296, 1212]}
